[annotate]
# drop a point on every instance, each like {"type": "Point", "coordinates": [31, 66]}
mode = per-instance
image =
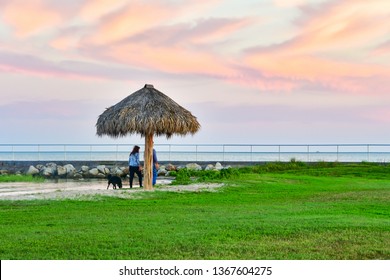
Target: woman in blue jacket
{"type": "Point", "coordinates": [135, 166]}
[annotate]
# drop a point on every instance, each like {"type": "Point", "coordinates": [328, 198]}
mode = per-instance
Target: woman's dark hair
{"type": "Point", "coordinates": [135, 150]}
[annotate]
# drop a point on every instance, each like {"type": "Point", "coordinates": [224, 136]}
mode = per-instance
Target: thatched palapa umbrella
{"type": "Point", "coordinates": [147, 112]}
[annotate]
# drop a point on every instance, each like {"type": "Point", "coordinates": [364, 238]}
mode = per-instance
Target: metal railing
{"type": "Point", "coordinates": [200, 152]}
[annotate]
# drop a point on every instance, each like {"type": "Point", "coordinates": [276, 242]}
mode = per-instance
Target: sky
{"type": "Point", "coordinates": [252, 72]}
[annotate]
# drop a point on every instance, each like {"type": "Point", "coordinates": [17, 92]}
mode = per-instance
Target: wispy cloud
{"type": "Point", "coordinates": [382, 49]}
{"type": "Point", "coordinates": [178, 48]}
{"type": "Point", "coordinates": [332, 45]}
{"type": "Point", "coordinates": [29, 17]}
{"type": "Point", "coordinates": [71, 69]}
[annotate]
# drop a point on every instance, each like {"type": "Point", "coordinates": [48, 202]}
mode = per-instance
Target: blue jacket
{"type": "Point", "coordinates": [134, 160]}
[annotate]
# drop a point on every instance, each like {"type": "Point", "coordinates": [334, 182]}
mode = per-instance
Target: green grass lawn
{"type": "Point", "coordinates": [20, 178]}
{"type": "Point", "coordinates": [290, 211]}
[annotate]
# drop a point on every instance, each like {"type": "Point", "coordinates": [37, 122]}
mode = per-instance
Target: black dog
{"type": "Point", "coordinates": [114, 180]}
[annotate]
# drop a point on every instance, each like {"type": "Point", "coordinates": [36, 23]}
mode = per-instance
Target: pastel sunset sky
{"type": "Point", "coordinates": [251, 71]}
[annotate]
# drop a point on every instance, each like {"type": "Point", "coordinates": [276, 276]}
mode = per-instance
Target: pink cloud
{"type": "Point", "coordinates": [200, 35]}
{"type": "Point", "coordinates": [212, 29]}
{"type": "Point", "coordinates": [128, 21]}
{"type": "Point", "coordinates": [171, 60]}
{"type": "Point", "coordinates": [176, 48]}
{"type": "Point", "coordinates": [36, 66]}
{"type": "Point", "coordinates": [382, 49]}
{"type": "Point", "coordinates": [29, 17]}
{"type": "Point", "coordinates": [335, 27]}
{"type": "Point", "coordinates": [93, 10]}
{"type": "Point", "coordinates": [65, 42]}
{"type": "Point", "coordinates": [331, 48]}
{"type": "Point", "coordinates": [289, 3]}
{"type": "Point", "coordinates": [135, 17]}
{"type": "Point", "coordinates": [342, 25]}
{"type": "Point", "coordinates": [300, 72]}
{"type": "Point", "coordinates": [312, 67]}
{"type": "Point", "coordinates": [142, 34]}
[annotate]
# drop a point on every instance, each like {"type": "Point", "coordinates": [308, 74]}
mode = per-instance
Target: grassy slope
{"type": "Point", "coordinates": [288, 214]}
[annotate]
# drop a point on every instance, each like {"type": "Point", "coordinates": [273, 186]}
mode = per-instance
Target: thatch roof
{"type": "Point", "coordinates": [146, 111]}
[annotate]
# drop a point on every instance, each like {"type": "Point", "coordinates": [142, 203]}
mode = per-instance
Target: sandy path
{"type": "Point", "coordinates": [84, 189]}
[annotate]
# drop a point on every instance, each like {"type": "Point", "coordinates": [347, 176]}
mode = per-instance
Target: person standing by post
{"type": "Point", "coordinates": [155, 167]}
{"type": "Point", "coordinates": [135, 166]}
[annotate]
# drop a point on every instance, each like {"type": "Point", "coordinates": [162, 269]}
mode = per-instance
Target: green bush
{"type": "Point", "coordinates": [229, 173]}
{"type": "Point", "coordinates": [208, 175]}
{"type": "Point", "coordinates": [284, 166]}
{"type": "Point", "coordinates": [183, 177]}
{"type": "Point", "coordinates": [186, 176]}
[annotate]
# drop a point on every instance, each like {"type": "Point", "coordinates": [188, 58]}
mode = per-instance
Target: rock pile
{"type": "Point", "coordinates": [53, 170]}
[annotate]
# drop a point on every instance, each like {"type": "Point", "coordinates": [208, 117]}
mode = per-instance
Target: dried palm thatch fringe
{"type": "Point", "coordinates": [146, 111]}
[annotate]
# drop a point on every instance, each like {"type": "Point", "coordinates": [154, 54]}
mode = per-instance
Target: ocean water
{"type": "Point", "coordinates": [199, 153]}
{"type": "Point", "coordinates": [202, 156]}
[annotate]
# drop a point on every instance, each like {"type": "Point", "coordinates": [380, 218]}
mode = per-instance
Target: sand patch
{"type": "Point", "coordinates": [87, 189]}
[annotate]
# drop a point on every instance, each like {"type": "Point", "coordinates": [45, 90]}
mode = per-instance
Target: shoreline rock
{"type": "Point", "coordinates": [53, 170]}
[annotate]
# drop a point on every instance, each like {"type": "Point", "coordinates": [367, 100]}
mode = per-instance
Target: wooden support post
{"type": "Point", "coordinates": [148, 164]}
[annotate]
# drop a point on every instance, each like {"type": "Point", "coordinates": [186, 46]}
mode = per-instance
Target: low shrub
{"type": "Point", "coordinates": [186, 176]}
{"type": "Point", "coordinates": [183, 177]}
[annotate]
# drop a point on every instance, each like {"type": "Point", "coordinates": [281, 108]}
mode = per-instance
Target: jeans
{"type": "Point", "coordinates": [154, 175]}
{"type": "Point", "coordinates": [135, 169]}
